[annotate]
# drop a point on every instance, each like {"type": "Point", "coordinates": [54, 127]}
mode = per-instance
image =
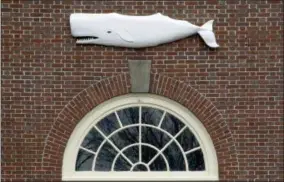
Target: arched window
{"type": "Point", "coordinates": [139, 137]}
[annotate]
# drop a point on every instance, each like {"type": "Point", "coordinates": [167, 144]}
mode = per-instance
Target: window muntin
{"type": "Point", "coordinates": [115, 143]}
{"type": "Point", "coordinates": [200, 142]}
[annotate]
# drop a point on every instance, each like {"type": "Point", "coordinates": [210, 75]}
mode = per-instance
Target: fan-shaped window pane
{"type": "Point", "coordinates": [122, 165]}
{"type": "Point", "coordinates": [148, 153]}
{"type": "Point", "coordinates": [84, 161]}
{"type": "Point", "coordinates": [93, 140]}
{"type": "Point", "coordinates": [129, 115]}
{"type": "Point", "coordinates": [187, 140]}
{"type": "Point", "coordinates": [125, 137]}
{"type": "Point", "coordinates": [159, 164]}
{"type": "Point", "coordinates": [175, 157]}
{"type": "Point", "coordinates": [108, 124]}
{"type": "Point", "coordinates": [104, 159]}
{"type": "Point", "coordinates": [154, 136]}
{"type": "Point", "coordinates": [132, 153]}
{"type": "Point", "coordinates": [195, 161]}
{"type": "Point", "coordinates": [171, 124]}
{"type": "Point", "coordinates": [151, 116]}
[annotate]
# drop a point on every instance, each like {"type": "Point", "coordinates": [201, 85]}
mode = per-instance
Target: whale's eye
{"type": "Point", "coordinates": [109, 31]}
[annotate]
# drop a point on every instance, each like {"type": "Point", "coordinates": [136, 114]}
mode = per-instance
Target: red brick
{"type": "Point", "coordinates": [236, 90]}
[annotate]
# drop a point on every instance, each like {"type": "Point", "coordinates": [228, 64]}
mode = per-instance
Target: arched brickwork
{"type": "Point", "coordinates": [161, 85]}
{"type": "Point", "coordinates": [71, 114]}
{"type": "Point", "coordinates": [208, 114]}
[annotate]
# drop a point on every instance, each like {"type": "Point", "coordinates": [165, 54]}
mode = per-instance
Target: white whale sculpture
{"type": "Point", "coordinates": [114, 29]}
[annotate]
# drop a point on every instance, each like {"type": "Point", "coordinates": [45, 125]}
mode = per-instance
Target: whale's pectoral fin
{"type": "Point", "coordinates": [125, 35]}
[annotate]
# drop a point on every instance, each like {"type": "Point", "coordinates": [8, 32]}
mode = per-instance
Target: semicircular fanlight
{"type": "Point", "coordinates": [140, 139]}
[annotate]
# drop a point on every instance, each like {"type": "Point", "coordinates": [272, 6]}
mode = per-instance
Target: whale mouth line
{"type": "Point", "coordinates": [85, 39]}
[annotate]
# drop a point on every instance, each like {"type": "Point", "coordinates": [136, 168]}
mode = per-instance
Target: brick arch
{"type": "Point", "coordinates": [71, 114]}
{"type": "Point", "coordinates": [161, 85]}
{"type": "Point", "coordinates": [208, 114]}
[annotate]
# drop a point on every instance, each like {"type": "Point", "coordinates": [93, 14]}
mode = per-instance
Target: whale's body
{"type": "Point", "coordinates": [114, 29]}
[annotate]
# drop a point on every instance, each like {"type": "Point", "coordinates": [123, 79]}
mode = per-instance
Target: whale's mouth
{"type": "Point", "coordinates": [86, 39]}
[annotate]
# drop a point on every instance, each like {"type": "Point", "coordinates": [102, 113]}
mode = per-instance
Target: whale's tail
{"type": "Point", "coordinates": [207, 34]}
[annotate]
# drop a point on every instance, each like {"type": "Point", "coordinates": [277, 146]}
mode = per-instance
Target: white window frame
{"type": "Point", "coordinates": [108, 107]}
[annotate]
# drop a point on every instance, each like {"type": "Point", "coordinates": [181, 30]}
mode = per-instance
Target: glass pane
{"type": "Point", "coordinates": [154, 137]}
{"type": "Point", "coordinates": [140, 167]}
{"type": "Point", "coordinates": [172, 124]}
{"type": "Point", "coordinates": [147, 154]}
{"type": "Point", "coordinates": [93, 140]}
{"type": "Point", "coordinates": [108, 124]}
{"type": "Point", "coordinates": [196, 161]}
{"type": "Point", "coordinates": [187, 140]}
{"type": "Point", "coordinates": [158, 164]}
{"type": "Point", "coordinates": [174, 157]}
{"type": "Point", "coordinates": [84, 161]}
{"type": "Point", "coordinates": [105, 158]}
{"type": "Point", "coordinates": [151, 116]}
{"type": "Point", "coordinates": [122, 165]}
{"type": "Point", "coordinates": [125, 137]}
{"type": "Point", "coordinates": [129, 116]}
{"type": "Point", "coordinates": [132, 153]}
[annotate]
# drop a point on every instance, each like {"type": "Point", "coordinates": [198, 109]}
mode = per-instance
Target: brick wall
{"type": "Point", "coordinates": [240, 84]}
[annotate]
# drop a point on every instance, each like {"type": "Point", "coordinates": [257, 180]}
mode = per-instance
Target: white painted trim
{"type": "Point", "coordinates": [141, 176]}
{"type": "Point", "coordinates": [117, 103]}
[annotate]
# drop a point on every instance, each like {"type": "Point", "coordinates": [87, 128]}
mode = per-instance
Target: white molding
{"type": "Point", "coordinates": [141, 176]}
{"type": "Point", "coordinates": [99, 112]}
